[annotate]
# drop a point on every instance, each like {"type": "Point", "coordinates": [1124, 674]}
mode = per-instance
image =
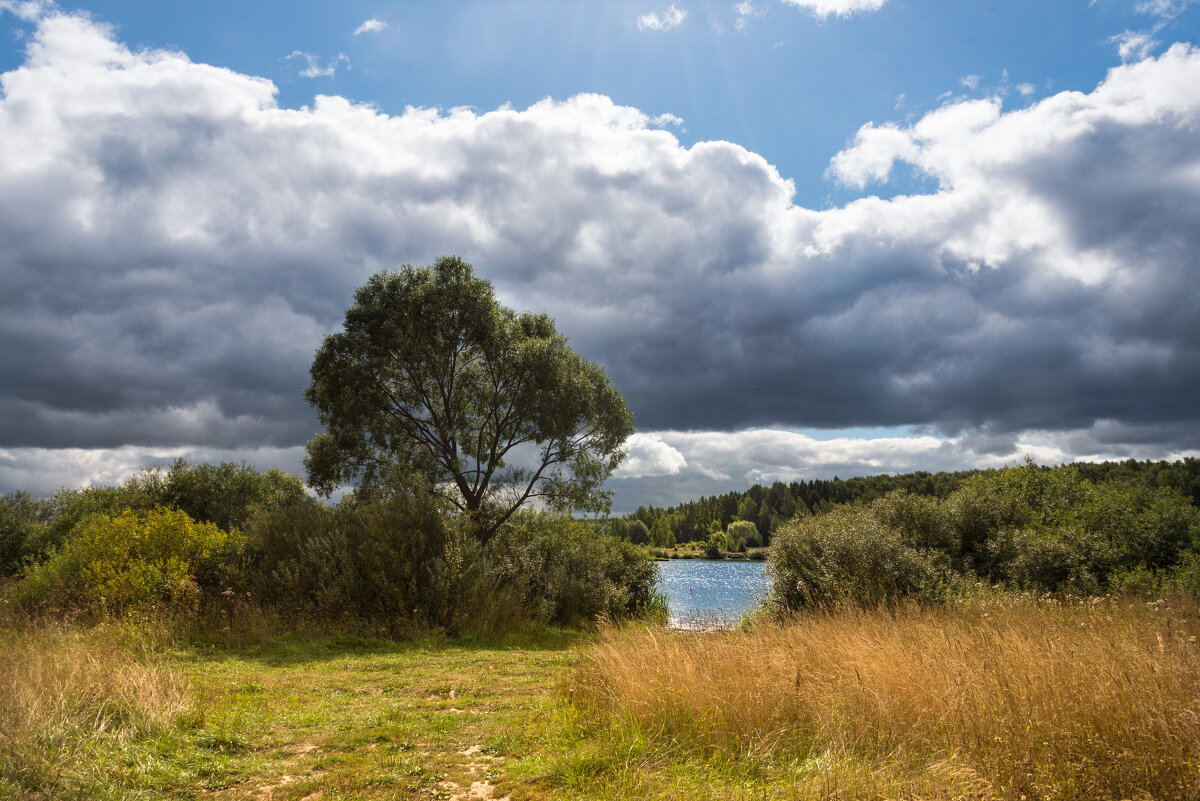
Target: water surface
{"type": "Point", "coordinates": [700, 590]}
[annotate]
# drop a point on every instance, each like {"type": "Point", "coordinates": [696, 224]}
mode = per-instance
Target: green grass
{"type": "Point", "coordinates": [350, 717]}
{"type": "Point", "coordinates": [375, 719]}
{"type": "Point", "coordinates": [346, 717]}
{"type": "Point", "coordinates": [630, 713]}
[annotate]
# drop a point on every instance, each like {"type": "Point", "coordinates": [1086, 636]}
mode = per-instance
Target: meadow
{"type": "Point", "coordinates": [1006, 698]}
{"type": "Point", "coordinates": [211, 633]}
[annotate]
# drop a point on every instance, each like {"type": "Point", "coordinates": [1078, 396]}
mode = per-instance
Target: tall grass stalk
{"type": "Point", "coordinates": [62, 688]}
{"type": "Point", "coordinates": [1010, 699]}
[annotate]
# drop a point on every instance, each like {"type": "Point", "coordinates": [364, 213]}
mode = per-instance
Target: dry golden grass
{"type": "Point", "coordinates": [1013, 699]}
{"type": "Point", "coordinates": [63, 685]}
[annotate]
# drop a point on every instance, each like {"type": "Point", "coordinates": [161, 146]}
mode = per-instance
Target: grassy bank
{"type": "Point", "coordinates": [1008, 699]}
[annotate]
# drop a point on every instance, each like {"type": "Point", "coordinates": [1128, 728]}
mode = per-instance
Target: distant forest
{"type": "Point", "coordinates": [769, 507]}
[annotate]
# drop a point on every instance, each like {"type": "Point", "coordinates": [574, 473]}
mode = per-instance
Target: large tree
{"type": "Point", "coordinates": [488, 407]}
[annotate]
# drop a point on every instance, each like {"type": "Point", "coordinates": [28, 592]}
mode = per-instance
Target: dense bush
{"type": "Point", "coordinates": [849, 555]}
{"type": "Point", "coordinates": [1025, 528]}
{"type": "Point", "coordinates": [161, 560]}
{"type": "Point", "coordinates": [395, 559]}
{"type": "Point", "coordinates": [563, 573]}
{"type": "Point", "coordinates": [743, 534]}
{"type": "Point", "coordinates": [61, 513]}
{"type": "Point", "coordinates": [19, 522]}
{"type": "Point", "coordinates": [226, 494]}
{"type": "Point", "coordinates": [392, 556]}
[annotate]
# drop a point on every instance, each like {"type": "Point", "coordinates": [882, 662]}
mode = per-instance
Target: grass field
{"type": "Point", "coordinates": [1013, 700]}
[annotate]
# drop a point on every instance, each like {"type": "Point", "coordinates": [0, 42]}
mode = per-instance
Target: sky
{"type": "Point", "coordinates": [805, 238]}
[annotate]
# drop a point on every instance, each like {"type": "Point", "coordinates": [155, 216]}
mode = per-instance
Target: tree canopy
{"type": "Point", "coordinates": [488, 407]}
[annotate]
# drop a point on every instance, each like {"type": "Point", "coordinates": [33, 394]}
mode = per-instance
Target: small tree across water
{"type": "Point", "coordinates": [489, 407]}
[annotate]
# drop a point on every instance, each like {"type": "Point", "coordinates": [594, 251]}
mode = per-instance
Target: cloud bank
{"type": "Point", "coordinates": [176, 245]}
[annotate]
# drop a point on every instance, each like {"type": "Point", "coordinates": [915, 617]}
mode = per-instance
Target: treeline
{"type": "Point", "coordinates": [770, 507]}
{"type": "Point", "coordinates": [1024, 529]}
{"type": "Point", "coordinates": [208, 543]}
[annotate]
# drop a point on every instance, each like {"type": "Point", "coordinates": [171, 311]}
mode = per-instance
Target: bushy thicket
{"type": "Point", "coordinates": [770, 507]}
{"type": "Point", "coordinates": [1023, 528]}
{"type": "Point", "coordinates": [157, 561]}
{"type": "Point", "coordinates": [211, 539]}
{"type": "Point", "coordinates": [228, 495]}
{"type": "Point", "coordinates": [563, 572]}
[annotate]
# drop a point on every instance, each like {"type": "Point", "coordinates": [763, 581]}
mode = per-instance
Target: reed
{"type": "Point", "coordinates": [1013, 698]}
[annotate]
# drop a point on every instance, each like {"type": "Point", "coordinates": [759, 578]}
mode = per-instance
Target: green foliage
{"type": "Point", "coordinates": [638, 533]}
{"type": "Point", "coordinates": [1053, 530]}
{"type": "Point", "coordinates": [769, 507]}
{"type": "Point", "coordinates": [743, 534]}
{"type": "Point", "coordinates": [433, 375]}
{"type": "Point", "coordinates": [392, 558]}
{"type": "Point", "coordinates": [160, 560]}
{"type": "Point", "coordinates": [1027, 528]}
{"type": "Point", "coordinates": [397, 557]}
{"type": "Point", "coordinates": [63, 511]}
{"type": "Point", "coordinates": [564, 574]}
{"type": "Point", "coordinates": [19, 520]}
{"type": "Point", "coordinates": [849, 556]}
{"type": "Point", "coordinates": [715, 547]}
{"type": "Point", "coordinates": [227, 494]}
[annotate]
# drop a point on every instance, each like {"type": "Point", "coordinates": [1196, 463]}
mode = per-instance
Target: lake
{"type": "Point", "coordinates": [703, 591]}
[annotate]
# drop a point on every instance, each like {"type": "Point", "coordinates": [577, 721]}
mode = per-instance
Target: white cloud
{"type": "Point", "coordinates": [313, 68]}
{"type": "Point", "coordinates": [176, 245]}
{"type": "Point", "coordinates": [663, 120]}
{"type": "Point", "coordinates": [648, 455]}
{"type": "Point", "coordinates": [839, 8]}
{"type": "Point", "coordinates": [28, 10]}
{"type": "Point", "coordinates": [971, 81]}
{"type": "Point", "coordinates": [1026, 89]}
{"type": "Point", "coordinates": [669, 19]}
{"type": "Point", "coordinates": [1133, 45]}
{"type": "Point", "coordinates": [875, 150]}
{"type": "Point", "coordinates": [1165, 9]}
{"type": "Point", "coordinates": [371, 26]}
{"type": "Point", "coordinates": [745, 11]}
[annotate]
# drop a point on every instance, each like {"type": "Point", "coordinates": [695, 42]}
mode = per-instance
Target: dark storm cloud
{"type": "Point", "coordinates": [175, 246]}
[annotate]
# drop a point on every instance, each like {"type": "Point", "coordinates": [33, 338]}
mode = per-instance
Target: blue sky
{"type": "Point", "coordinates": [805, 237]}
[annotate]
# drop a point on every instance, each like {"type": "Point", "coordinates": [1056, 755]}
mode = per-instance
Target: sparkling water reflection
{"type": "Point", "coordinates": [702, 592]}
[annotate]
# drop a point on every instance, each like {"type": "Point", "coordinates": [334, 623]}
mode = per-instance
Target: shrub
{"type": "Point", "coordinates": [393, 558]}
{"type": "Point", "coordinates": [227, 494]}
{"type": "Point", "coordinates": [1053, 531]}
{"type": "Point", "coordinates": [564, 574]}
{"type": "Point", "coordinates": [62, 512]}
{"type": "Point", "coordinates": [714, 548]}
{"type": "Point", "coordinates": [920, 520]}
{"type": "Point", "coordinates": [848, 556]}
{"type": "Point", "coordinates": [743, 534]}
{"type": "Point", "coordinates": [18, 528]}
{"type": "Point", "coordinates": [158, 560]}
